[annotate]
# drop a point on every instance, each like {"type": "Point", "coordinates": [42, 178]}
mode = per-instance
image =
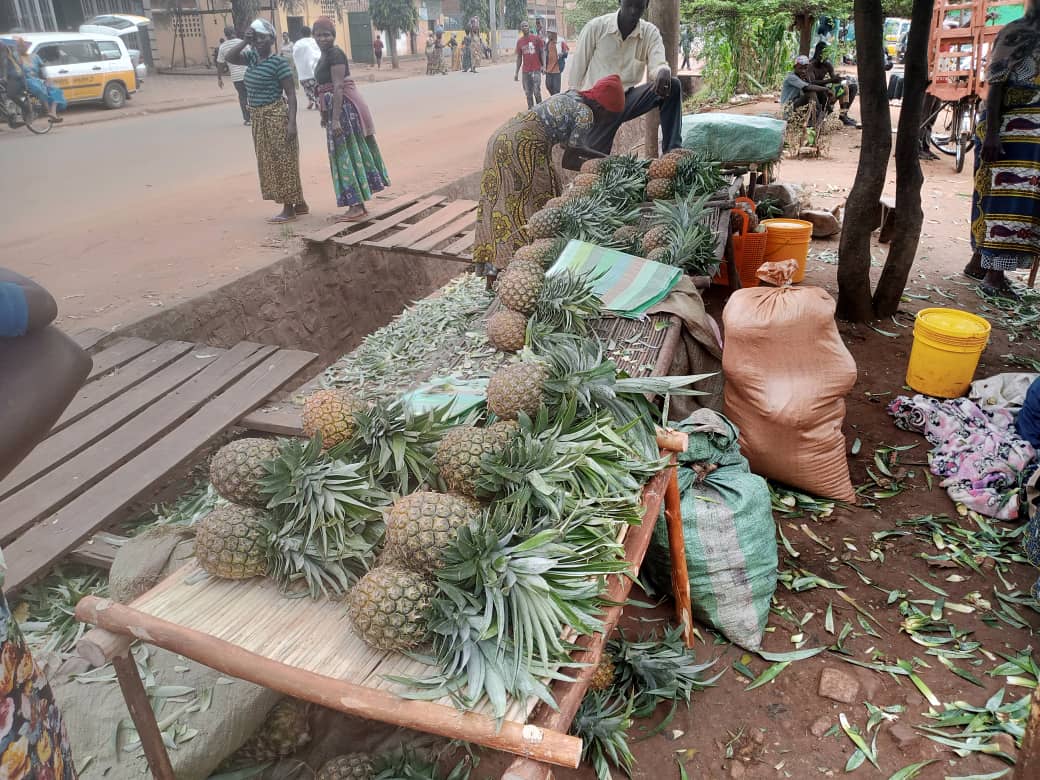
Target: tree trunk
{"type": "Point", "coordinates": [243, 12]}
{"type": "Point", "coordinates": [863, 208]}
{"type": "Point", "coordinates": [392, 45]}
{"type": "Point", "coordinates": [665, 15]}
{"type": "Point", "coordinates": [908, 217]}
{"type": "Point", "coordinates": [805, 22]}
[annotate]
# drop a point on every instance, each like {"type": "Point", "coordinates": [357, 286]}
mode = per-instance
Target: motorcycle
{"type": "Point", "coordinates": [24, 109]}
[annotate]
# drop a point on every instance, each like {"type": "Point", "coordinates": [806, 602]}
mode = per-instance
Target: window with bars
{"type": "Point", "coordinates": [188, 25]}
{"type": "Point", "coordinates": [328, 8]}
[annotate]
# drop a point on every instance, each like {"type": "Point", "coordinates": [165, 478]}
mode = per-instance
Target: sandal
{"type": "Point", "coordinates": [302, 212]}
{"type": "Point", "coordinates": [281, 219]}
{"type": "Point", "coordinates": [1005, 292]}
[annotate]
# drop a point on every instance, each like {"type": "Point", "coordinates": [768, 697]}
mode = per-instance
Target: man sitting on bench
{"type": "Point", "coordinates": [625, 44]}
{"type": "Point", "coordinates": [798, 91]}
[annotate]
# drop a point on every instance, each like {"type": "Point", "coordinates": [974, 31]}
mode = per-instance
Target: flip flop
{"type": "Point", "coordinates": [280, 220]}
{"type": "Point", "coordinates": [999, 292]}
{"type": "Point", "coordinates": [358, 218]}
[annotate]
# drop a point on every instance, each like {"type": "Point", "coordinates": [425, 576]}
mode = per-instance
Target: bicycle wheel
{"type": "Point", "coordinates": [36, 117]}
{"type": "Point", "coordinates": [944, 129]}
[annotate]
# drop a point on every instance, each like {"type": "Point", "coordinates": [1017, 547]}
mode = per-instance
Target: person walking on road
{"type": "Point", "coordinates": [626, 44]}
{"type": "Point", "coordinates": [269, 77]}
{"type": "Point", "coordinates": [530, 56]}
{"type": "Point", "coordinates": [1005, 212]}
{"type": "Point", "coordinates": [306, 54]}
{"type": "Point", "coordinates": [377, 49]}
{"type": "Point", "coordinates": [357, 165]}
{"type": "Point", "coordinates": [236, 72]}
{"type": "Point", "coordinates": [555, 57]}
{"type": "Point", "coordinates": [519, 177]}
{"type": "Point", "coordinates": [686, 45]}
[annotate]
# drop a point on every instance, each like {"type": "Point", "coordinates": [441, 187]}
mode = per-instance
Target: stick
{"type": "Point", "coordinates": [569, 695]}
{"type": "Point", "coordinates": [143, 716]}
{"type": "Point", "coordinates": [531, 741]}
{"type": "Point", "coordinates": [99, 647]}
{"type": "Point", "coordinates": [673, 441]}
{"type": "Point", "coordinates": [677, 548]}
{"type": "Point", "coordinates": [1028, 764]}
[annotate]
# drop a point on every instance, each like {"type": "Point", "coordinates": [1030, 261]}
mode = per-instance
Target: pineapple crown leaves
{"type": "Point", "coordinates": [698, 177]}
{"type": "Point", "coordinates": [602, 722]}
{"type": "Point", "coordinates": [407, 763]}
{"type": "Point", "coordinates": [691, 243]}
{"type": "Point", "coordinates": [325, 571]}
{"type": "Point", "coordinates": [566, 302]}
{"type": "Point", "coordinates": [655, 670]}
{"type": "Point", "coordinates": [318, 496]}
{"type": "Point", "coordinates": [398, 446]}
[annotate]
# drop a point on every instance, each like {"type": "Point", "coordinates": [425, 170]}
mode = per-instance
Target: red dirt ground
{"type": "Point", "coordinates": [765, 733]}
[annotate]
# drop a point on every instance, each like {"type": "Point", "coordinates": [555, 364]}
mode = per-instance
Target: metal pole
{"type": "Point", "coordinates": [493, 33]}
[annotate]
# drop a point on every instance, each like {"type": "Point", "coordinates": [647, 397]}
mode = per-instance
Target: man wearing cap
{"type": "Point", "coordinates": [798, 89]}
{"type": "Point", "coordinates": [625, 44]}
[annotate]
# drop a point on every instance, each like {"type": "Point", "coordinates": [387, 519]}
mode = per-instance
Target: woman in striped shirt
{"type": "Point", "coordinates": [268, 77]}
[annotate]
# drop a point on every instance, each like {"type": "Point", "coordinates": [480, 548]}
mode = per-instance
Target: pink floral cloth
{"type": "Point", "coordinates": [977, 453]}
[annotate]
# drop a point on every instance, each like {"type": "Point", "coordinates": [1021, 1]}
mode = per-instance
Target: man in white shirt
{"type": "Point", "coordinates": [237, 72]}
{"type": "Point", "coordinates": [306, 54]}
{"type": "Point", "coordinates": [625, 44]}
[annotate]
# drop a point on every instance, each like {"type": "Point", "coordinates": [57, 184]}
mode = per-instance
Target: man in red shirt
{"type": "Point", "coordinates": [530, 55]}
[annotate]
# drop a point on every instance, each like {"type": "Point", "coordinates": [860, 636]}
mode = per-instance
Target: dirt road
{"type": "Point", "coordinates": [119, 218]}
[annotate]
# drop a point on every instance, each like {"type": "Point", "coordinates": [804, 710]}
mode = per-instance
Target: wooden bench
{"type": "Point", "coordinates": [146, 409]}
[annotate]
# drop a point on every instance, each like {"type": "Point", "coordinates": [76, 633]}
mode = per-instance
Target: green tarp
{"type": "Point", "coordinates": [734, 138]}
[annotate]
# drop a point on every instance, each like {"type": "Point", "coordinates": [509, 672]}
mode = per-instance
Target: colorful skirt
{"type": "Point", "coordinates": [48, 93]}
{"type": "Point", "coordinates": [519, 178]}
{"type": "Point", "coordinates": [33, 742]}
{"type": "Point", "coordinates": [277, 156]}
{"type": "Point", "coordinates": [357, 166]}
{"type": "Point", "coordinates": [1005, 208]}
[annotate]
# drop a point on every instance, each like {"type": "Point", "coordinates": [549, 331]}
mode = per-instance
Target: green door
{"type": "Point", "coordinates": [360, 25]}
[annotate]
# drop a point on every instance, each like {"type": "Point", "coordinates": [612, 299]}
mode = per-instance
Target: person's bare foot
{"type": "Point", "coordinates": [353, 214]}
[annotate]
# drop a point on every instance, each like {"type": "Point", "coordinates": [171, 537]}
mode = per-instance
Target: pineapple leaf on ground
{"type": "Point", "coordinates": [602, 722]}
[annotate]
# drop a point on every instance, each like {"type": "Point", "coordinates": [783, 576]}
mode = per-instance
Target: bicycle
{"type": "Point", "coordinates": [29, 112]}
{"type": "Point", "coordinates": [951, 127]}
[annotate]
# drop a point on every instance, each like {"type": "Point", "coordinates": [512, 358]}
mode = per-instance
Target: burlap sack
{"type": "Point", "coordinates": [787, 375]}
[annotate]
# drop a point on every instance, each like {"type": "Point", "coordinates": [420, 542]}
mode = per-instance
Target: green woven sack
{"type": "Point", "coordinates": [729, 532]}
{"type": "Point", "coordinates": [732, 138]}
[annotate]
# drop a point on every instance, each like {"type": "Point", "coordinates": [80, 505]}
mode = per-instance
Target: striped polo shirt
{"type": "Point", "coordinates": [263, 77]}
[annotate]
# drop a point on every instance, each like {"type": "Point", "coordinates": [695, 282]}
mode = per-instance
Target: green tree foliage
{"type": "Point", "coordinates": [477, 8]}
{"type": "Point", "coordinates": [395, 17]}
{"type": "Point", "coordinates": [584, 10]}
{"type": "Point", "coordinates": [515, 12]}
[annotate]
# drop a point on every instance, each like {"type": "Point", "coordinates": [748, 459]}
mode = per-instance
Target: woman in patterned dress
{"type": "Point", "coordinates": [519, 177]}
{"type": "Point", "coordinates": [357, 165]}
{"type": "Point", "coordinates": [1005, 218]}
{"type": "Point", "coordinates": [268, 77]}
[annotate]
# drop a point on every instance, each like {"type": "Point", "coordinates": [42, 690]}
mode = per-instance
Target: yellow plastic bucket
{"type": "Point", "coordinates": [946, 351]}
{"type": "Point", "coordinates": [788, 239]}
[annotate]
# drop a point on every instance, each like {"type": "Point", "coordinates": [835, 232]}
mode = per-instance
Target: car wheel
{"type": "Point", "coordinates": [115, 95]}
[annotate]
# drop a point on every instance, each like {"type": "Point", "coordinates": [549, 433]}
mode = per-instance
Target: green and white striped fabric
{"type": "Point", "coordinates": [628, 285]}
{"type": "Point", "coordinates": [461, 395]}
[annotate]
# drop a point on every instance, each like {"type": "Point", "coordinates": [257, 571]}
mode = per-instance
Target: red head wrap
{"type": "Point", "coordinates": [608, 92]}
{"type": "Point", "coordinates": [325, 22]}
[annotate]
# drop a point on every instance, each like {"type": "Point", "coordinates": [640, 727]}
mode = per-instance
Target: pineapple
{"type": "Point", "coordinates": [679, 153]}
{"type": "Point", "coordinates": [388, 607]}
{"type": "Point", "coordinates": [603, 677]}
{"type": "Point", "coordinates": [626, 235]}
{"type": "Point", "coordinates": [661, 254]}
{"type": "Point", "coordinates": [546, 223]}
{"type": "Point", "coordinates": [584, 182]}
{"type": "Point", "coordinates": [231, 542]}
{"type": "Point", "coordinates": [352, 766]}
{"type": "Point", "coordinates": [660, 189]}
{"type": "Point", "coordinates": [507, 330]}
{"type": "Point", "coordinates": [544, 251]}
{"type": "Point", "coordinates": [555, 203]}
{"type": "Point", "coordinates": [516, 388]}
{"type": "Point", "coordinates": [594, 165]}
{"type": "Point", "coordinates": [519, 285]}
{"type": "Point", "coordinates": [420, 525]}
{"type": "Point", "coordinates": [238, 467]}
{"type": "Point", "coordinates": [285, 729]}
{"type": "Point", "coordinates": [331, 413]}
{"type": "Point", "coordinates": [655, 238]}
{"type": "Point", "coordinates": [663, 168]}
{"type": "Point", "coordinates": [462, 449]}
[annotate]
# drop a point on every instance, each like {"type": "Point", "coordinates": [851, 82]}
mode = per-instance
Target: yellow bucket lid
{"type": "Point", "coordinates": [779, 223]}
{"type": "Point", "coordinates": [953, 323]}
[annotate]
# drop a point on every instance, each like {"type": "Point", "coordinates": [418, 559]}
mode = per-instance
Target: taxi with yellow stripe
{"type": "Point", "coordinates": [88, 67]}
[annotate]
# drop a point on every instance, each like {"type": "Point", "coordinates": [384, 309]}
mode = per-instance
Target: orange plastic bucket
{"type": "Point", "coordinates": [947, 346]}
{"type": "Point", "coordinates": [788, 239]}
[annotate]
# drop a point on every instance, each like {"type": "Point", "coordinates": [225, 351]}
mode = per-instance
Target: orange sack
{"type": "Point", "coordinates": [787, 374]}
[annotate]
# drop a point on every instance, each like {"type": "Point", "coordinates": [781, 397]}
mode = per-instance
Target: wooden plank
{"type": "Point", "coordinates": [456, 249]}
{"type": "Point", "coordinates": [58, 448]}
{"type": "Point", "coordinates": [424, 227]}
{"type": "Point", "coordinates": [58, 486]}
{"type": "Point", "coordinates": [381, 210]}
{"type": "Point", "coordinates": [122, 351]}
{"type": "Point", "coordinates": [86, 339]}
{"type": "Point", "coordinates": [378, 226]}
{"type": "Point", "coordinates": [108, 387]}
{"type": "Point", "coordinates": [461, 224]}
{"type": "Point", "coordinates": [287, 421]}
{"type": "Point", "coordinates": [32, 553]}
{"type": "Point", "coordinates": [99, 550]}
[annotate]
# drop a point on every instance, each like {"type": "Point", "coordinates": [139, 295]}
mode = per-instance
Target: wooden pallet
{"type": "Point", "coordinates": [146, 409]}
{"type": "Point", "coordinates": [430, 224]}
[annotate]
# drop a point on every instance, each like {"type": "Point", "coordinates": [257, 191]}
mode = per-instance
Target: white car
{"type": "Point", "coordinates": [88, 67]}
{"type": "Point", "coordinates": [131, 30]}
